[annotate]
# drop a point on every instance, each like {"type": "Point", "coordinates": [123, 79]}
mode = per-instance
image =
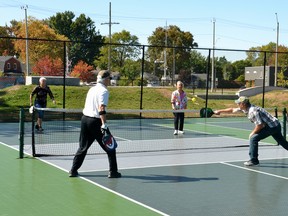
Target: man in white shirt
{"type": "Point", "coordinates": [93, 123]}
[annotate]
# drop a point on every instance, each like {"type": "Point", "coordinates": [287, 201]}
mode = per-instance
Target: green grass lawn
{"type": "Point", "coordinates": [120, 97]}
{"type": "Point", "coordinates": [15, 97]}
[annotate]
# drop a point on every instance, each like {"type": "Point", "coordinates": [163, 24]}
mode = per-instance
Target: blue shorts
{"type": "Point", "coordinates": [40, 112]}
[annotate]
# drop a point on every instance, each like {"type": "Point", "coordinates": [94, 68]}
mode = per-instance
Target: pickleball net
{"type": "Point", "coordinates": [141, 131]}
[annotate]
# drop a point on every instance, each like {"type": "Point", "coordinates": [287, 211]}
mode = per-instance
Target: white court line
{"type": "Point", "coordinates": [213, 125]}
{"type": "Point", "coordinates": [101, 186]}
{"type": "Point", "coordinates": [123, 139]}
{"type": "Point", "coordinates": [180, 164]}
{"type": "Point", "coordinates": [165, 126]}
{"type": "Point", "coordinates": [252, 170]}
{"type": "Point", "coordinates": [125, 197]}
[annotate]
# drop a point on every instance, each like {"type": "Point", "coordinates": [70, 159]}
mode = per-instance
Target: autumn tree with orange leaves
{"type": "Point", "coordinates": [38, 48]}
{"type": "Point", "coordinates": [48, 66]}
{"type": "Point", "coordinates": [83, 71]}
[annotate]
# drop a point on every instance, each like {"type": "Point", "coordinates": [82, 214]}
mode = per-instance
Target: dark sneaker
{"type": "Point", "coordinates": [114, 175]}
{"type": "Point", "coordinates": [251, 163]}
{"type": "Point", "coordinates": [41, 129]}
{"type": "Point", "coordinates": [73, 174]}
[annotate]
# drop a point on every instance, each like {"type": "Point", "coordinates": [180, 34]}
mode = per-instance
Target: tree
{"type": "Point", "coordinates": [257, 58]}
{"type": "Point", "coordinates": [239, 67]}
{"type": "Point", "coordinates": [6, 45]}
{"type": "Point", "coordinates": [38, 48]}
{"type": "Point", "coordinates": [185, 76]}
{"type": "Point", "coordinates": [83, 71]}
{"type": "Point", "coordinates": [48, 66]}
{"type": "Point", "coordinates": [62, 23]}
{"type": "Point", "coordinates": [128, 48]}
{"type": "Point", "coordinates": [282, 79]}
{"type": "Point", "coordinates": [179, 42]}
{"type": "Point", "coordinates": [198, 62]}
{"type": "Point", "coordinates": [131, 70]}
{"type": "Point", "coordinates": [87, 42]}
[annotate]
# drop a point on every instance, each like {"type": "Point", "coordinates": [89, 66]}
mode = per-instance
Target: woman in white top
{"type": "Point", "coordinates": [179, 102]}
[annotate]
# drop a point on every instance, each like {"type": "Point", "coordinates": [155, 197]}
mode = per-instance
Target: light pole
{"type": "Point", "coordinates": [164, 78]}
{"type": "Point", "coordinates": [276, 55]}
{"type": "Point", "coordinates": [110, 24]}
{"type": "Point", "coordinates": [26, 26]}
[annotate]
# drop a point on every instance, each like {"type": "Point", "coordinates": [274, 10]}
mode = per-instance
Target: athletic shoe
{"type": "Point", "coordinates": [41, 129]}
{"type": "Point", "coordinates": [181, 132]}
{"type": "Point", "coordinates": [251, 163]}
{"type": "Point", "coordinates": [114, 175]}
{"type": "Point", "coordinates": [175, 132]}
{"type": "Point", "coordinates": [73, 174]}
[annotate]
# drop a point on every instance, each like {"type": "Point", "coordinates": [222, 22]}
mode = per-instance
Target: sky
{"type": "Point", "coordinates": [237, 25]}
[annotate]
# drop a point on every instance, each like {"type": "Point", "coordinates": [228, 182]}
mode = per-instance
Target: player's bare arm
{"type": "Point", "coordinates": [227, 110]}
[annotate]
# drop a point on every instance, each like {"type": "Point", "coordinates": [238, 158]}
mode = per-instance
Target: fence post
{"type": "Point", "coordinates": [21, 133]}
{"type": "Point", "coordinates": [284, 122]}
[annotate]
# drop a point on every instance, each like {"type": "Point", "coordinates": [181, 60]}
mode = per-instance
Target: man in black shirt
{"type": "Point", "coordinates": [41, 91]}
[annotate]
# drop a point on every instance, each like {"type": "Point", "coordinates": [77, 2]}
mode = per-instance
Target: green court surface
{"type": "Point", "coordinates": [208, 189]}
{"type": "Point", "coordinates": [31, 187]}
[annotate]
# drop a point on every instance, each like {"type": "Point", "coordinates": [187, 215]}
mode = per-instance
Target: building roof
{"type": "Point", "coordinates": [4, 59]}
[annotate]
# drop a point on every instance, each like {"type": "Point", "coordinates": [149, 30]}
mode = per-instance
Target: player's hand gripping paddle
{"type": "Point", "coordinates": [31, 109]}
{"type": "Point", "coordinates": [109, 141]}
{"type": "Point", "coordinates": [206, 112]}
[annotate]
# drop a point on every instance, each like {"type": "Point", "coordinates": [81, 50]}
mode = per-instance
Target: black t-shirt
{"type": "Point", "coordinates": [41, 95]}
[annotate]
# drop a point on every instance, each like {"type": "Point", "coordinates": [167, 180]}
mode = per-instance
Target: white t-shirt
{"type": "Point", "coordinates": [97, 95]}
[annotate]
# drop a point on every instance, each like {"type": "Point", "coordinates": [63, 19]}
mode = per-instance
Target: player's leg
{"type": "Point", "coordinates": [113, 167]}
{"type": "Point", "coordinates": [39, 121]}
{"type": "Point", "coordinates": [181, 123]}
{"type": "Point", "coordinates": [112, 159]}
{"type": "Point", "coordinates": [85, 141]}
{"type": "Point", "coordinates": [40, 114]}
{"type": "Point", "coordinates": [253, 146]}
{"type": "Point", "coordinates": [277, 135]}
{"type": "Point", "coordinates": [176, 122]}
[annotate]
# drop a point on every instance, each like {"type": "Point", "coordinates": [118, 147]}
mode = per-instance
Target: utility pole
{"type": "Point", "coordinates": [276, 55]}
{"type": "Point", "coordinates": [165, 53]}
{"type": "Point", "coordinates": [110, 25]}
{"type": "Point", "coordinates": [27, 51]}
{"type": "Point", "coordinates": [213, 76]}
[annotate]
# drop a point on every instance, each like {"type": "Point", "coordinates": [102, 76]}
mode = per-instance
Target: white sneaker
{"type": "Point", "coordinates": [181, 132]}
{"type": "Point", "coordinates": [175, 132]}
{"type": "Point", "coordinates": [251, 163]}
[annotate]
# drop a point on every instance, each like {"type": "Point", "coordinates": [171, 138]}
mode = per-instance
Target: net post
{"type": "Point", "coordinates": [21, 133]}
{"type": "Point", "coordinates": [276, 112]}
{"type": "Point", "coordinates": [33, 132]}
{"type": "Point", "coordinates": [284, 122]}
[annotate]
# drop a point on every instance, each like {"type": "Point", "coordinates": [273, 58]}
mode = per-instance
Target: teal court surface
{"type": "Point", "coordinates": [194, 175]}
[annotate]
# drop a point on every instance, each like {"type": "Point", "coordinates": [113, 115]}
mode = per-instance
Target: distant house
{"type": "Point", "coordinates": [254, 76]}
{"type": "Point", "coordinates": [10, 66]}
{"type": "Point", "coordinates": [152, 80]}
{"type": "Point", "coordinates": [114, 75]}
{"type": "Point", "coordinates": [115, 78]}
{"type": "Point", "coordinates": [198, 80]}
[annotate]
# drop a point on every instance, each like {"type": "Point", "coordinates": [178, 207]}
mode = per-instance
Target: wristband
{"type": "Point", "coordinates": [102, 112]}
